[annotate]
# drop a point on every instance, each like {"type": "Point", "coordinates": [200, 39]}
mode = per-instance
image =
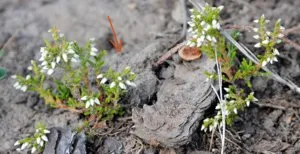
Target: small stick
{"type": "Point", "coordinates": [169, 54]}
{"type": "Point", "coordinates": [292, 43]}
{"type": "Point", "coordinates": [270, 106]}
{"type": "Point", "coordinates": [293, 29]}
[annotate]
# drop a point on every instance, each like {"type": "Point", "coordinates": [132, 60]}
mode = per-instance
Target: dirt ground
{"type": "Point", "coordinates": [145, 25]}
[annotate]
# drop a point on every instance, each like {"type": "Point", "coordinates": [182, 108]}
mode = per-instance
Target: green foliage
{"type": "Point", "coordinates": [205, 29]}
{"type": "Point", "coordinates": [70, 76]}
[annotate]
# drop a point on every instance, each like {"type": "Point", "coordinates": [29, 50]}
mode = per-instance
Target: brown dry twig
{"type": "Point", "coordinates": [270, 106]}
{"type": "Point", "coordinates": [169, 54]}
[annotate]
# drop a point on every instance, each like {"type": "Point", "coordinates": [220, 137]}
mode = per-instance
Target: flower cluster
{"type": "Point", "coordinates": [118, 81]}
{"type": "Point", "coordinates": [59, 54]}
{"type": "Point", "coordinates": [268, 39]}
{"type": "Point", "coordinates": [232, 104]}
{"type": "Point", "coordinates": [20, 85]}
{"type": "Point", "coordinates": [204, 26]}
{"type": "Point", "coordinates": [90, 101]}
{"type": "Point", "coordinates": [36, 142]}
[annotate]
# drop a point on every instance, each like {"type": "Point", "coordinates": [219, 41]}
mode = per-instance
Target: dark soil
{"type": "Point", "coordinates": [147, 29]}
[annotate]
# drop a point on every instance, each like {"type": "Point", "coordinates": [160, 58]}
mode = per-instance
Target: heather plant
{"type": "Point", "coordinates": [206, 35]}
{"type": "Point", "coordinates": [70, 76]}
{"type": "Point", "coordinates": [36, 142]}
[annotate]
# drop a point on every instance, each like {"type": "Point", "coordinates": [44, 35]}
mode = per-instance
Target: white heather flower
{"type": "Point", "coordinates": [19, 149]}
{"type": "Point", "coordinates": [221, 7]}
{"type": "Point", "coordinates": [28, 77]}
{"type": "Point", "coordinates": [84, 98]}
{"type": "Point", "coordinates": [119, 78]}
{"type": "Point", "coordinates": [16, 85]}
{"type": "Point", "coordinates": [202, 38]}
{"type": "Point", "coordinates": [256, 21]}
{"type": "Point", "coordinates": [53, 64]}
{"type": "Point", "coordinates": [280, 35]}
{"type": "Point", "coordinates": [248, 103]}
{"type": "Point", "coordinates": [46, 131]}
{"type": "Point", "coordinates": [13, 76]}
{"type": "Point", "coordinates": [208, 37]}
{"type": "Point", "coordinates": [265, 41]}
{"type": "Point", "coordinates": [94, 49]}
{"type": "Point", "coordinates": [122, 85]}
{"type": "Point", "coordinates": [42, 143]}
{"type": "Point", "coordinates": [227, 89]}
{"type": "Point", "coordinates": [193, 44]}
{"type": "Point", "coordinates": [255, 30]}
{"type": "Point", "coordinates": [188, 43]}
{"type": "Point", "coordinates": [257, 45]}
{"type": "Point", "coordinates": [24, 146]}
{"type": "Point", "coordinates": [256, 37]}
{"type": "Point", "coordinates": [207, 27]}
{"type": "Point", "coordinates": [264, 63]}
{"type": "Point", "coordinates": [96, 100]}
{"type": "Point", "coordinates": [214, 22]}
{"type": "Point", "coordinates": [218, 107]}
{"type": "Point", "coordinates": [113, 84]}
{"type": "Point", "coordinates": [61, 35]}
{"type": "Point", "coordinates": [44, 137]}
{"type": "Point", "coordinates": [33, 149]}
{"type": "Point", "coordinates": [199, 42]}
{"type": "Point", "coordinates": [74, 60]}
{"type": "Point", "coordinates": [214, 39]}
{"type": "Point", "coordinates": [24, 88]}
{"type": "Point", "coordinates": [282, 28]}
{"type": "Point", "coordinates": [65, 57]}
{"type": "Point", "coordinates": [235, 110]}
{"type": "Point", "coordinates": [100, 76]}
{"type": "Point", "coordinates": [202, 127]}
{"type": "Point", "coordinates": [190, 30]}
{"type": "Point", "coordinates": [50, 71]}
{"type": "Point", "coordinates": [275, 52]}
{"type": "Point", "coordinates": [267, 21]}
{"type": "Point", "coordinates": [130, 83]}
{"type": "Point", "coordinates": [42, 49]}
{"type": "Point", "coordinates": [58, 59]}
{"type": "Point", "coordinates": [268, 33]}
{"type": "Point", "coordinates": [275, 59]}
{"type": "Point", "coordinates": [38, 140]}
{"type": "Point", "coordinates": [127, 68]}
{"type": "Point", "coordinates": [29, 68]}
{"type": "Point", "coordinates": [71, 51]}
{"type": "Point", "coordinates": [44, 63]}
{"type": "Point", "coordinates": [93, 53]}
{"type": "Point", "coordinates": [92, 39]}
{"type": "Point", "coordinates": [255, 99]}
{"type": "Point", "coordinates": [202, 23]}
{"type": "Point", "coordinates": [92, 102]}
{"type": "Point", "coordinates": [87, 104]}
{"type": "Point", "coordinates": [17, 143]}
{"type": "Point", "coordinates": [103, 80]}
{"type": "Point", "coordinates": [227, 96]}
